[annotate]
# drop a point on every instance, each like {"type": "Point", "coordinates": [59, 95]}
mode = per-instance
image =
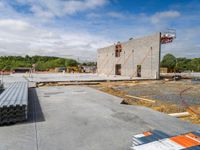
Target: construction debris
{"type": "Point", "coordinates": [181, 114]}
{"type": "Point", "coordinates": [142, 99]}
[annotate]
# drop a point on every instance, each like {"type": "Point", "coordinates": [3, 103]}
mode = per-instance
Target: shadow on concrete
{"type": "Point", "coordinates": [1, 91]}
{"type": "Point", "coordinates": [35, 113]}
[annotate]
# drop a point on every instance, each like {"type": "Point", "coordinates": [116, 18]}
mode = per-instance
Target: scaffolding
{"type": "Point", "coordinates": [168, 36]}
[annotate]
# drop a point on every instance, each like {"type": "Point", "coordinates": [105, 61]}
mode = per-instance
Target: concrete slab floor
{"type": "Point", "coordinates": [62, 77]}
{"type": "Point", "coordinates": [82, 118]}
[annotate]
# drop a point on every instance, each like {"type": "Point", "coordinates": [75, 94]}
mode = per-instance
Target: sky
{"type": "Point", "coordinates": [77, 28]}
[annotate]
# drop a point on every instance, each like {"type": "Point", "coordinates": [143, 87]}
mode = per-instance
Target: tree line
{"type": "Point", "coordinates": [42, 63]}
{"type": "Point", "coordinates": [180, 64]}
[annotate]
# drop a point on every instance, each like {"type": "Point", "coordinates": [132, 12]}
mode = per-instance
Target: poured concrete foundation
{"type": "Point", "coordinates": [81, 118]}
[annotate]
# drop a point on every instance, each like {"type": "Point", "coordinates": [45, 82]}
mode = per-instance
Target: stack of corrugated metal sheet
{"type": "Point", "coordinates": [156, 140]}
{"type": "Point", "coordinates": [14, 103]}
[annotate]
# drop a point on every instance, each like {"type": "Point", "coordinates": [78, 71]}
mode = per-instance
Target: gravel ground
{"type": "Point", "coordinates": [166, 91]}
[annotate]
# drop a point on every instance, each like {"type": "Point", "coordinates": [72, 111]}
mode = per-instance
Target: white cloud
{"type": "Point", "coordinates": [73, 6]}
{"type": "Point", "coordinates": [26, 39]}
{"type": "Point", "coordinates": [50, 8]}
{"type": "Point", "coordinates": [41, 13]}
{"type": "Point", "coordinates": [14, 24]}
{"type": "Point", "coordinates": [162, 16]}
{"type": "Point", "coordinates": [41, 34]}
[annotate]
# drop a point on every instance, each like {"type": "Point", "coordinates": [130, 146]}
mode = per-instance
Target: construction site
{"type": "Point", "coordinates": [127, 104]}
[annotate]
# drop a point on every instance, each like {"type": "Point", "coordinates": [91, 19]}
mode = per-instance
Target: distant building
{"type": "Point", "coordinates": [163, 70]}
{"type": "Point", "coordinates": [60, 69]}
{"type": "Point", "coordinates": [89, 69]}
{"type": "Point", "coordinates": [134, 58]}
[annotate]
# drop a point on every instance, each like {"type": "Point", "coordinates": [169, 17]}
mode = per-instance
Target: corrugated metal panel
{"type": "Point", "coordinates": [144, 139]}
{"type": "Point", "coordinates": [13, 103]}
{"type": "Point", "coordinates": [196, 133]}
{"type": "Point", "coordinates": [164, 144]}
{"type": "Point", "coordinates": [156, 140]}
{"type": "Point", "coordinates": [193, 148]}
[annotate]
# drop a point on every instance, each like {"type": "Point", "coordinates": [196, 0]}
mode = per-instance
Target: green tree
{"type": "Point", "coordinates": [89, 63]}
{"type": "Point", "coordinates": [182, 64]}
{"type": "Point", "coordinates": [43, 62]}
{"type": "Point", "coordinates": [194, 65]}
{"type": "Point", "coordinates": [71, 62]}
{"type": "Point", "coordinates": [169, 61]}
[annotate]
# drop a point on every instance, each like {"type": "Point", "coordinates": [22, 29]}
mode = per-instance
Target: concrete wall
{"type": "Point", "coordinates": [143, 51]}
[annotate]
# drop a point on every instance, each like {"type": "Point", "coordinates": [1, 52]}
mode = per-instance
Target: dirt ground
{"type": "Point", "coordinates": [164, 96]}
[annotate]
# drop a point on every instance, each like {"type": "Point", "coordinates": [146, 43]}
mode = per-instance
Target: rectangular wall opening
{"type": "Point", "coordinates": [139, 68]}
{"type": "Point", "coordinates": [118, 69]}
{"type": "Point", "coordinates": [118, 50]}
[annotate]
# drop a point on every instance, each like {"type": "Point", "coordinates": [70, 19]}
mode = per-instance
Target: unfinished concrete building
{"type": "Point", "coordinates": [134, 58]}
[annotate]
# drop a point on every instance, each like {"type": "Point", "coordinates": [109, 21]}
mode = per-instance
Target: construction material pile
{"type": "Point", "coordinates": [158, 140]}
{"type": "Point", "coordinates": [14, 103]}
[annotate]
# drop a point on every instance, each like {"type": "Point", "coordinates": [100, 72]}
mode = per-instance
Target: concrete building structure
{"type": "Point", "coordinates": [134, 58]}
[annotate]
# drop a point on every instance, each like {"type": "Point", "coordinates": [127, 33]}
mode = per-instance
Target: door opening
{"type": "Point", "coordinates": [118, 69]}
{"type": "Point", "coordinates": [139, 67]}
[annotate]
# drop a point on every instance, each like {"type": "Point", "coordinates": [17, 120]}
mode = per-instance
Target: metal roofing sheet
{"type": "Point", "coordinates": [14, 103]}
{"type": "Point", "coordinates": [156, 140]}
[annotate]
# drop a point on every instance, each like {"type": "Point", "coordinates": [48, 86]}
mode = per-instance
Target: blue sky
{"type": "Point", "coordinates": [77, 28]}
